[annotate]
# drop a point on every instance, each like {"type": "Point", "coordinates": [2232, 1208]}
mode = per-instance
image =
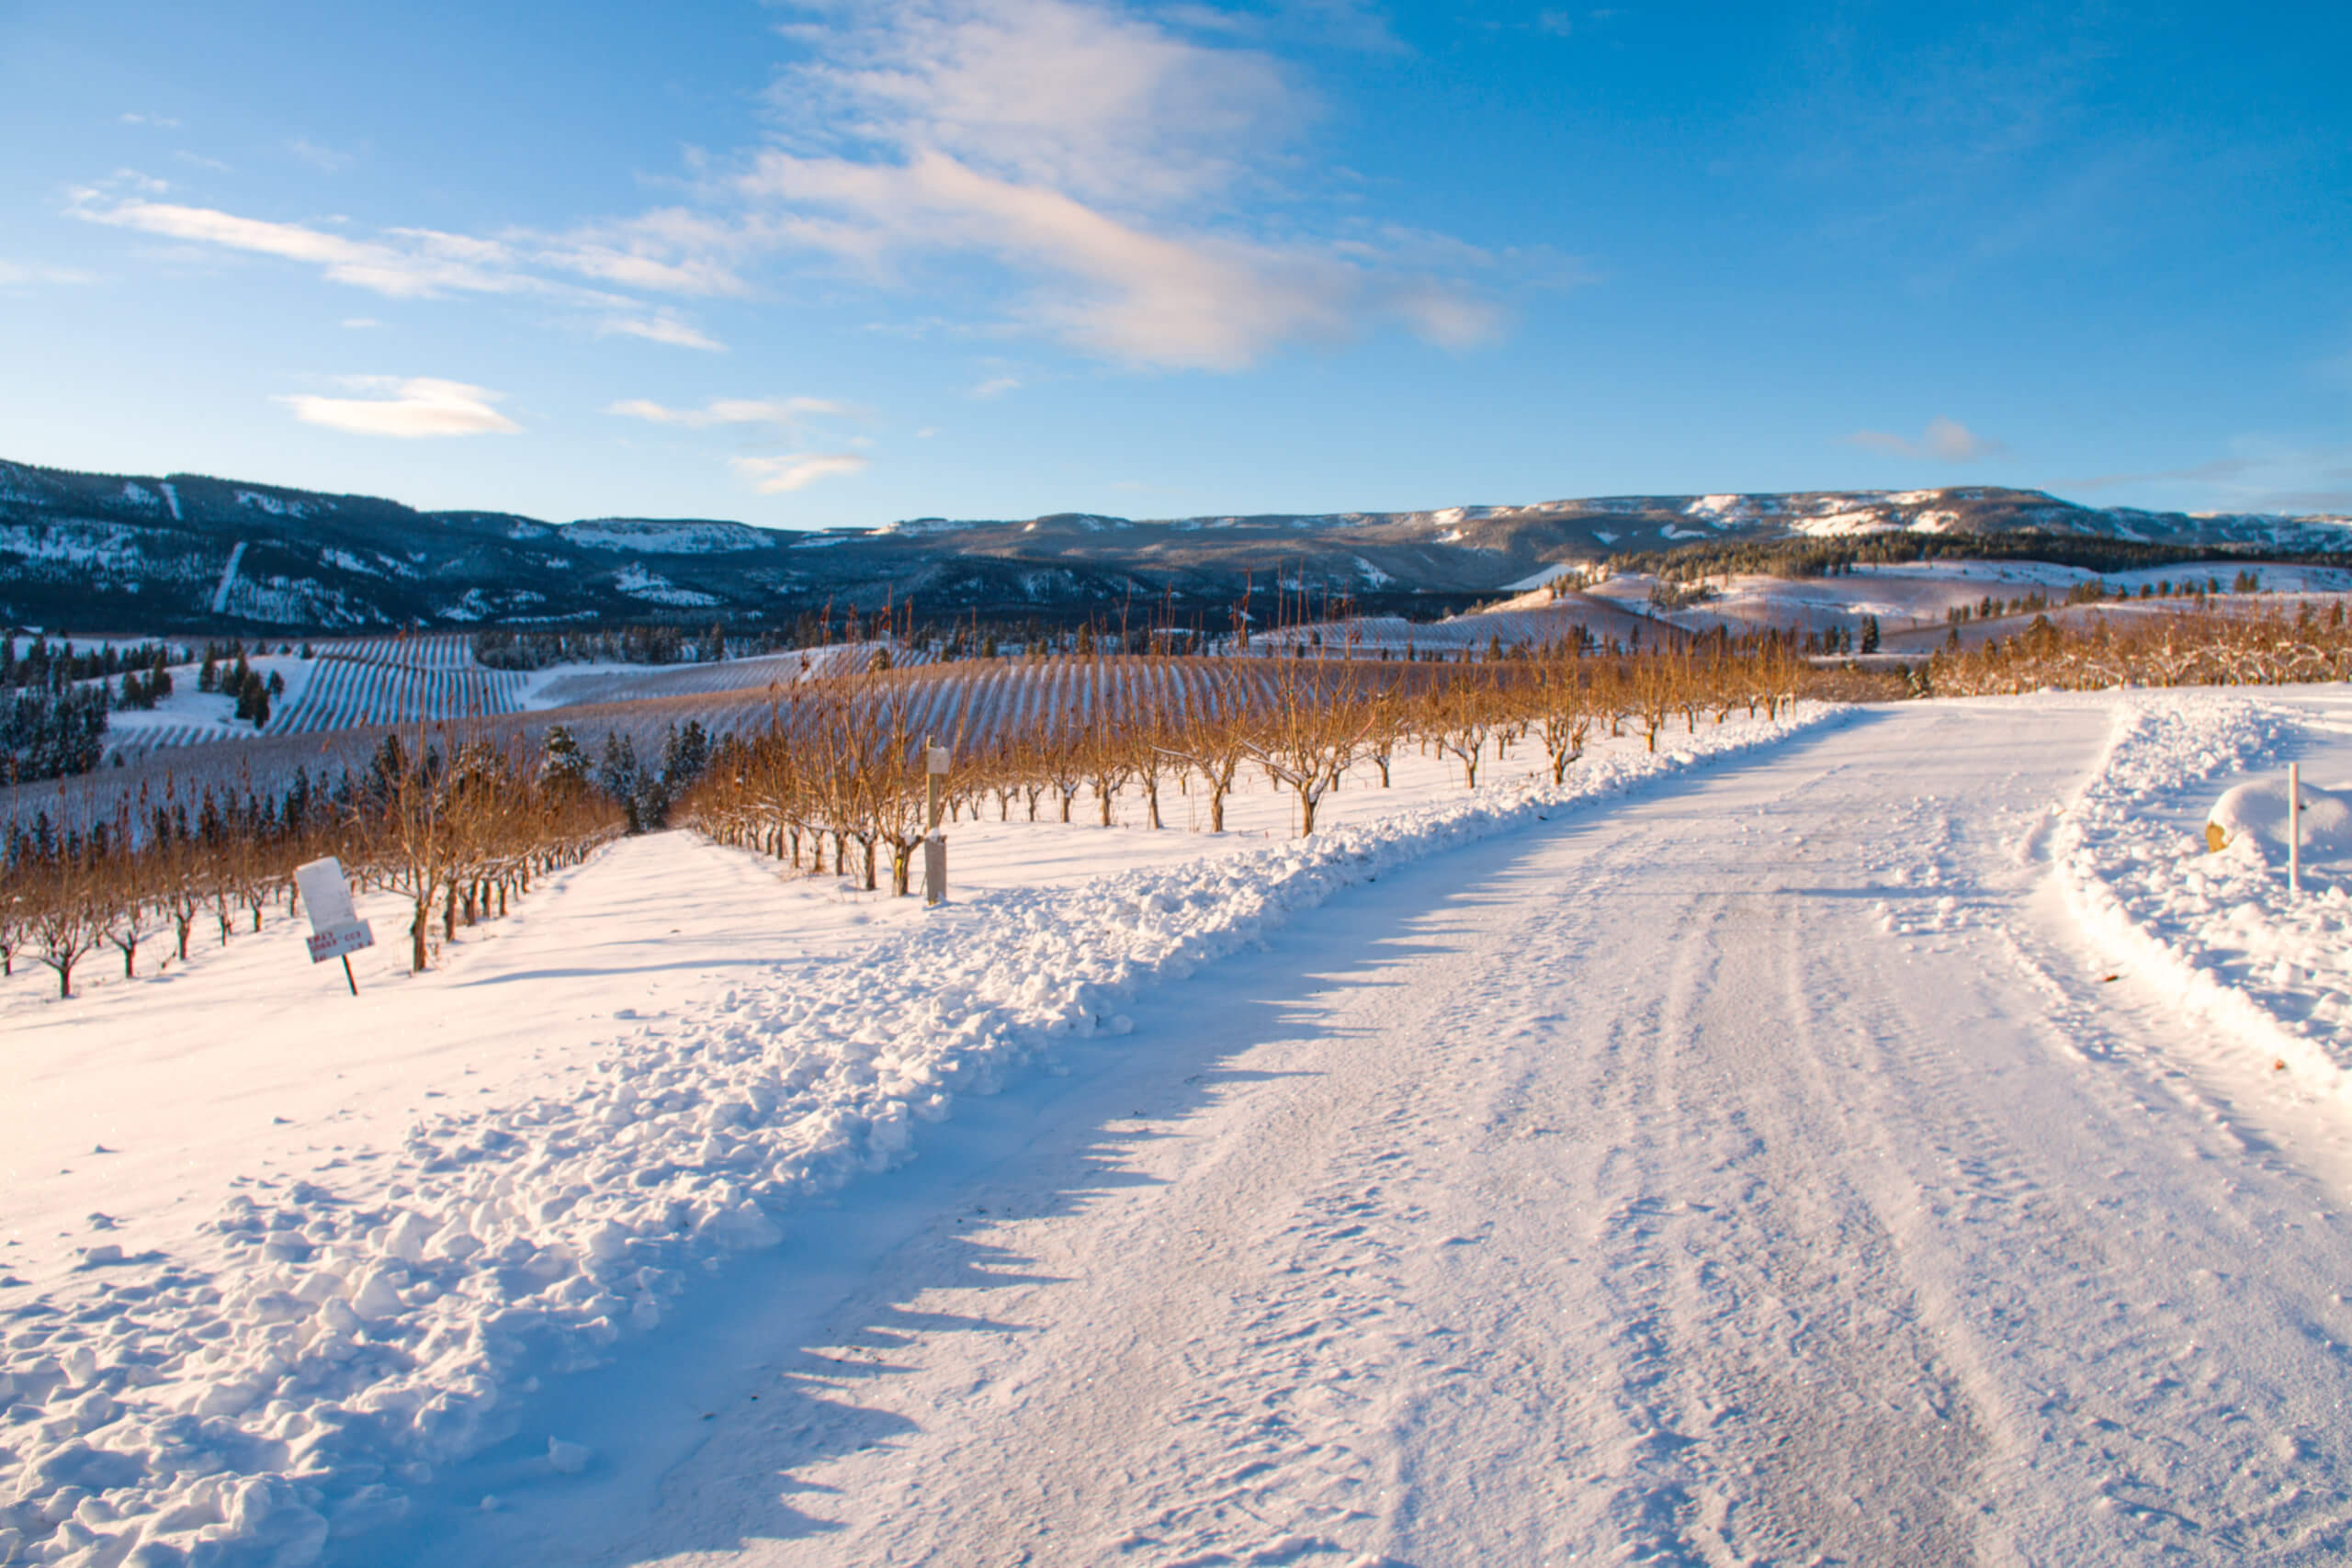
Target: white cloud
{"type": "Point", "coordinates": [326, 160]}
{"type": "Point", "coordinates": [1089, 151]}
{"type": "Point", "coordinates": [16, 274]}
{"type": "Point", "coordinates": [997, 386]}
{"type": "Point", "coordinates": [1141, 298]}
{"type": "Point", "coordinates": [411, 263]}
{"type": "Point", "coordinates": [1112, 165]}
{"type": "Point", "coordinates": [659, 327]}
{"type": "Point", "coordinates": [773, 476]}
{"type": "Point", "coordinates": [426, 264]}
{"type": "Point", "coordinates": [784, 413]}
{"type": "Point", "coordinates": [1082, 99]}
{"type": "Point", "coordinates": [408, 409]}
{"type": "Point", "coordinates": [1945, 440]}
{"type": "Point", "coordinates": [165, 121]}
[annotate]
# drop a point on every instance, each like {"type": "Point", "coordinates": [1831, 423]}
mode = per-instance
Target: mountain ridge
{"type": "Point", "coordinates": [190, 551]}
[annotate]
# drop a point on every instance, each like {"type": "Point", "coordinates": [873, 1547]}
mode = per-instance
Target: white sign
{"type": "Point", "coordinates": [327, 897]}
{"type": "Point", "coordinates": [336, 929]}
{"type": "Point", "coordinates": [937, 757]}
{"type": "Point", "coordinates": [340, 942]}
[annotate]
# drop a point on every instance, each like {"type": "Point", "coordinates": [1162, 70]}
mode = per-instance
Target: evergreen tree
{"type": "Point", "coordinates": [620, 775]}
{"type": "Point", "coordinates": [562, 760]}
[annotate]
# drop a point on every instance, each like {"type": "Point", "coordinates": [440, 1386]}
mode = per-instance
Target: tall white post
{"type": "Point", "coordinates": [2295, 828]}
{"type": "Point", "coordinates": [934, 842]}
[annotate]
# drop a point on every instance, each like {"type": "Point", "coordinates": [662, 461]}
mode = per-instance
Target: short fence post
{"type": "Point", "coordinates": [934, 843]}
{"type": "Point", "coordinates": [2295, 828]}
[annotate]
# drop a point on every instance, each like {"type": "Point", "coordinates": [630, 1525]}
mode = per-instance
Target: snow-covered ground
{"type": "Point", "coordinates": [1813, 1155]}
{"type": "Point", "coordinates": [363, 1265]}
{"type": "Point", "coordinates": [1917, 597]}
{"type": "Point", "coordinates": [190, 717]}
{"type": "Point", "coordinates": [2222, 933]}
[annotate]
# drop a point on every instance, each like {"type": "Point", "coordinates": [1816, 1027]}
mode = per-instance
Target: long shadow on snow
{"type": "Point", "coordinates": [766, 1360]}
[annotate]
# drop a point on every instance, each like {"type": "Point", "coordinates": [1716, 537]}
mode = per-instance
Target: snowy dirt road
{"type": "Point", "coordinates": [1762, 1170]}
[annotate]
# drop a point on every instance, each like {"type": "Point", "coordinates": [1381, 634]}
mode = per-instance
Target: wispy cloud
{"type": "Point", "coordinates": [408, 263]}
{"type": "Point", "coordinates": [164, 121]}
{"type": "Point", "coordinates": [427, 263]}
{"type": "Point", "coordinates": [773, 476]}
{"type": "Point", "coordinates": [1944, 440]}
{"type": "Point", "coordinates": [669, 251]}
{"type": "Point", "coordinates": [324, 159]}
{"type": "Point", "coordinates": [996, 386]}
{"type": "Point", "coordinates": [1114, 168]}
{"type": "Point", "coordinates": [2259, 474]}
{"type": "Point", "coordinates": [783, 413]}
{"type": "Point", "coordinates": [1120, 289]}
{"type": "Point", "coordinates": [407, 409]}
{"type": "Point", "coordinates": [1096, 153]}
{"type": "Point", "coordinates": [659, 327]}
{"type": "Point", "coordinates": [15, 275]}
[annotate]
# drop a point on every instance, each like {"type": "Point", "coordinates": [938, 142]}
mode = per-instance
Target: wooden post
{"type": "Point", "coordinates": [346, 974]}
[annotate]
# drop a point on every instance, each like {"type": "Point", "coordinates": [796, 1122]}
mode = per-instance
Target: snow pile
{"type": "Point", "coordinates": [389, 1314]}
{"type": "Point", "coordinates": [2218, 933]}
{"type": "Point", "coordinates": [2257, 810]}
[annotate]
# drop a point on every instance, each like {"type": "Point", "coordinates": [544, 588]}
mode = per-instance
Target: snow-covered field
{"type": "Point", "coordinates": [1911, 602]}
{"type": "Point", "coordinates": [372, 682]}
{"type": "Point", "coordinates": [1855, 1141]}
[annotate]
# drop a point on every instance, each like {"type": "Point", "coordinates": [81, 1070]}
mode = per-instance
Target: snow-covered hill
{"type": "Point", "coordinates": [188, 552]}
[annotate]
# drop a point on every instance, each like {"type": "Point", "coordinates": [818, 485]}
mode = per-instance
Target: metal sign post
{"type": "Point", "coordinates": [336, 929]}
{"type": "Point", "coordinates": [935, 844]}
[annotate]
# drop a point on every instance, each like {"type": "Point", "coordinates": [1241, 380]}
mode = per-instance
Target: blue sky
{"type": "Point", "coordinates": [841, 264]}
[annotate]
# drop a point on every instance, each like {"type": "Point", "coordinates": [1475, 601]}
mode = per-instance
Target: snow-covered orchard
{"type": "Point", "coordinates": [436, 1273]}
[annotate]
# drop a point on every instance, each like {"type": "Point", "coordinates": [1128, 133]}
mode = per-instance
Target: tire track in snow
{"type": "Point", "coordinates": [1646, 1196]}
